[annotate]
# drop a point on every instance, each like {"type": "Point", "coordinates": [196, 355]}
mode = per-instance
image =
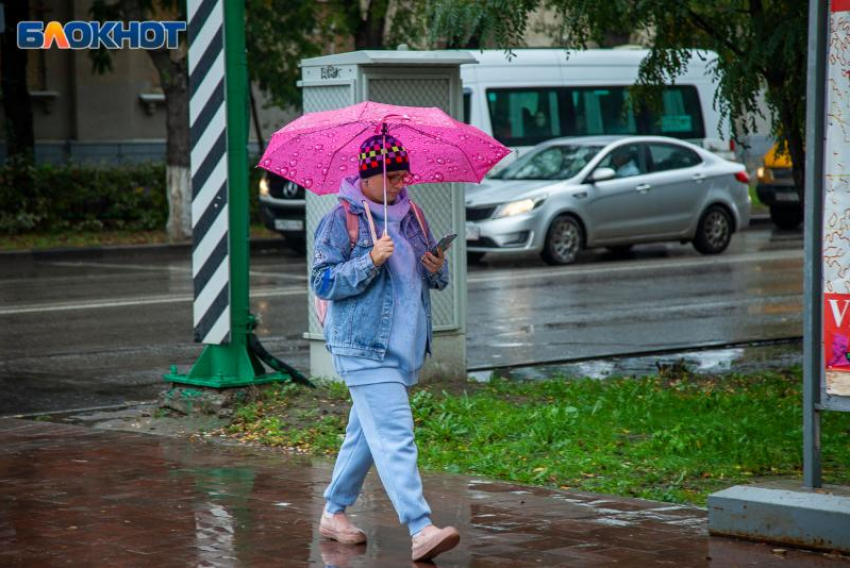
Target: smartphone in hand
{"type": "Point", "coordinates": [444, 243]}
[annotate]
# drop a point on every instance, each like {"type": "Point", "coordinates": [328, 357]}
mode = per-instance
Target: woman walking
{"type": "Point", "coordinates": [378, 330]}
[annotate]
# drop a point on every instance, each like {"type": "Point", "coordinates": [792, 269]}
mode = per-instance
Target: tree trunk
{"type": "Point", "coordinates": [177, 150]}
{"type": "Point", "coordinates": [174, 79]}
{"type": "Point", "coordinates": [17, 105]}
{"type": "Point", "coordinates": [255, 117]}
{"type": "Point", "coordinates": [370, 32]}
{"type": "Point", "coordinates": [178, 182]}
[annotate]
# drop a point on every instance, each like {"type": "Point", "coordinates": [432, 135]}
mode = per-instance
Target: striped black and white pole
{"type": "Point", "coordinates": [209, 171]}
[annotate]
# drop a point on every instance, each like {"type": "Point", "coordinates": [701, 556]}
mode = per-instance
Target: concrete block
{"type": "Point", "coordinates": [783, 512]}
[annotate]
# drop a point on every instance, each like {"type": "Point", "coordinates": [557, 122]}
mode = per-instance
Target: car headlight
{"type": "Point", "coordinates": [518, 207]}
{"type": "Point", "coordinates": [264, 186]}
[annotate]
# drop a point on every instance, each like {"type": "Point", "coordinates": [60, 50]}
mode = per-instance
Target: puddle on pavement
{"type": "Point", "coordinates": [707, 361]}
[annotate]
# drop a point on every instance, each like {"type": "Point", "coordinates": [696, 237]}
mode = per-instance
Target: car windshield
{"type": "Point", "coordinates": [550, 163]}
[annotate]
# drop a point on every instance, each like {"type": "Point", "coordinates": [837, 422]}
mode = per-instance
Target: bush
{"type": "Point", "coordinates": [53, 199]}
{"type": "Point", "coordinates": [47, 198]}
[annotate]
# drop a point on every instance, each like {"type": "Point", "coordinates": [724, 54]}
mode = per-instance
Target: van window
{"type": "Point", "coordinates": [467, 105]}
{"type": "Point", "coordinates": [527, 116]}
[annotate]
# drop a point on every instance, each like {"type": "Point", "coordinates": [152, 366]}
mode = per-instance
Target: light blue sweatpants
{"type": "Point", "coordinates": [380, 429]}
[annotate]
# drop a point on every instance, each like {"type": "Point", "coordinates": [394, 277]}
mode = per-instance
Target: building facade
{"type": "Point", "coordinates": [118, 116]}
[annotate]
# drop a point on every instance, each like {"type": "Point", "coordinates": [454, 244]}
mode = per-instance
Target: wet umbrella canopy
{"type": "Point", "coordinates": [319, 149]}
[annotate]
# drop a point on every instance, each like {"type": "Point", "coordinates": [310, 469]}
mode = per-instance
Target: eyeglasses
{"type": "Point", "coordinates": [399, 178]}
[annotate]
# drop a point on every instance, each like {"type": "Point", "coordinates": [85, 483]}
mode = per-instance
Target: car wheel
{"type": "Point", "coordinates": [474, 257]}
{"type": "Point", "coordinates": [786, 217]}
{"type": "Point", "coordinates": [296, 244]}
{"type": "Point", "coordinates": [620, 250]}
{"type": "Point", "coordinates": [714, 232]}
{"type": "Point", "coordinates": [564, 240]}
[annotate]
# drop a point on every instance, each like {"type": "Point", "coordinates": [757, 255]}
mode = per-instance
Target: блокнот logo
{"type": "Point", "coordinates": [93, 35]}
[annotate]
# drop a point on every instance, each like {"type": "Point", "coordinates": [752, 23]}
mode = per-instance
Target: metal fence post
{"type": "Point", "coordinates": [813, 241]}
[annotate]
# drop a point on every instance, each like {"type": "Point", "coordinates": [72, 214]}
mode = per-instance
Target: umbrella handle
{"type": "Point", "coordinates": [384, 161]}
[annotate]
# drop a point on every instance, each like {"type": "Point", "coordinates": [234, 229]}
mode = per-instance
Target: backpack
{"type": "Point", "coordinates": [352, 223]}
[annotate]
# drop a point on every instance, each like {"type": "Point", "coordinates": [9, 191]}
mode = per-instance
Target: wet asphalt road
{"type": "Point", "coordinates": [91, 331]}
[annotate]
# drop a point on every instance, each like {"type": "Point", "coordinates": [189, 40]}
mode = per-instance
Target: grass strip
{"type": "Point", "coordinates": [669, 438]}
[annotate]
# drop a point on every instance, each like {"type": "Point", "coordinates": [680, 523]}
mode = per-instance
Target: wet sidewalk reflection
{"type": "Point", "coordinates": [74, 496]}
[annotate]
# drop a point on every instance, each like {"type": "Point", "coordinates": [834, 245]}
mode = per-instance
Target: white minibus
{"type": "Point", "coordinates": [541, 94]}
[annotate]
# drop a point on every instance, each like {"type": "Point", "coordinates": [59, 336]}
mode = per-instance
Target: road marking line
{"type": "Point", "coordinates": [154, 268]}
{"type": "Point", "coordinates": [567, 271]}
{"type": "Point", "coordinates": [150, 300]}
{"type": "Point", "coordinates": [151, 267]}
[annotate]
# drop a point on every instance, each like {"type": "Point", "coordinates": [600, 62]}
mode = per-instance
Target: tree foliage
{"type": "Point", "coordinates": [104, 10]}
{"type": "Point", "coordinates": [761, 46]}
{"type": "Point", "coordinates": [280, 33]}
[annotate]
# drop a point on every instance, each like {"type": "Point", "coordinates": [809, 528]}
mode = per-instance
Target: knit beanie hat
{"type": "Point", "coordinates": [372, 156]}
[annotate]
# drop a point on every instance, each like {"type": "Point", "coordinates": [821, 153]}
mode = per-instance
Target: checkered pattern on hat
{"type": "Point", "coordinates": [378, 148]}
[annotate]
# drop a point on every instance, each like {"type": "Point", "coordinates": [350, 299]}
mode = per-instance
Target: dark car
{"type": "Point", "coordinates": [282, 209]}
{"type": "Point", "coordinates": [777, 190]}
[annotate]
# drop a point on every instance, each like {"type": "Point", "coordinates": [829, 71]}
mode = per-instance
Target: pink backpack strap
{"type": "Point", "coordinates": [420, 217]}
{"type": "Point", "coordinates": [371, 222]}
{"type": "Point", "coordinates": [351, 223]}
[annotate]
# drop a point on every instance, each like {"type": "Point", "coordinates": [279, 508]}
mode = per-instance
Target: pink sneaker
{"type": "Point", "coordinates": [432, 541]}
{"type": "Point", "coordinates": [337, 527]}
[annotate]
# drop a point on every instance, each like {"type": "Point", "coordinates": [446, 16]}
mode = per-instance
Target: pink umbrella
{"type": "Point", "coordinates": [319, 149]}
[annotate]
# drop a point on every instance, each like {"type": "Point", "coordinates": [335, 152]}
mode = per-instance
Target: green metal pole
{"type": "Point", "coordinates": [236, 85]}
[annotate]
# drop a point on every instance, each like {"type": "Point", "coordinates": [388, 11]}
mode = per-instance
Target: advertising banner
{"type": "Point", "coordinates": [836, 214]}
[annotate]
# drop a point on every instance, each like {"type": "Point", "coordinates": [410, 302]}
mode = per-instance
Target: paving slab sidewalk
{"type": "Point", "coordinates": [78, 496]}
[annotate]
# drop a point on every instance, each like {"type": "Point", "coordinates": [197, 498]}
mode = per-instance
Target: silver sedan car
{"type": "Point", "coordinates": [570, 194]}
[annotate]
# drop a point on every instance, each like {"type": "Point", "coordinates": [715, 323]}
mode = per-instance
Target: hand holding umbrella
{"type": "Point", "coordinates": [383, 249]}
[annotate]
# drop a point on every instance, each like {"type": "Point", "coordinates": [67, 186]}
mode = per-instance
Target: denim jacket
{"type": "Point", "coordinates": [360, 313]}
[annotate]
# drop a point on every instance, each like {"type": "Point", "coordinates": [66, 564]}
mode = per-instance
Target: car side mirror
{"type": "Point", "coordinates": [602, 174]}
